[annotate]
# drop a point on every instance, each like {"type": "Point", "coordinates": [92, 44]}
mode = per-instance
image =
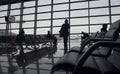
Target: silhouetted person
{"type": "Point", "coordinates": [85, 35]}
{"type": "Point", "coordinates": [64, 31]}
{"type": "Point", "coordinates": [20, 37]}
{"type": "Point", "coordinates": [50, 36]}
{"type": "Point", "coordinates": [103, 30]}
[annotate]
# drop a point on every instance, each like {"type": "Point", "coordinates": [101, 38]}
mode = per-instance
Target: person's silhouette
{"type": "Point", "coordinates": [65, 33]}
{"type": "Point", "coordinates": [104, 28]}
{"type": "Point", "coordinates": [50, 36]}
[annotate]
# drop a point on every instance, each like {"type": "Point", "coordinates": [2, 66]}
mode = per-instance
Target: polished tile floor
{"type": "Point", "coordinates": [42, 66]}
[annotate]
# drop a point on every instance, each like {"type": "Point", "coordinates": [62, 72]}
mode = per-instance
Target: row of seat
{"type": "Point", "coordinates": [85, 61]}
{"type": "Point", "coordinates": [29, 57]}
{"type": "Point", "coordinates": [28, 39]}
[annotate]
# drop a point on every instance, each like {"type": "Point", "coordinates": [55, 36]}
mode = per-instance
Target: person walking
{"type": "Point", "coordinates": [64, 32]}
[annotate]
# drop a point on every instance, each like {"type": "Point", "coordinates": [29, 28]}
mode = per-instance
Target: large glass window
{"type": "Point", "coordinates": [61, 7]}
{"type": "Point", "coordinates": [79, 5]}
{"type": "Point", "coordinates": [28, 25]}
{"type": "Point", "coordinates": [79, 21]}
{"type": "Point", "coordinates": [42, 30]}
{"type": "Point", "coordinates": [41, 2]}
{"type": "Point", "coordinates": [99, 3]}
{"type": "Point", "coordinates": [28, 17]}
{"type": "Point", "coordinates": [60, 14]}
{"type": "Point", "coordinates": [115, 2]}
{"type": "Point", "coordinates": [17, 5]}
{"type": "Point", "coordinates": [60, 1]}
{"type": "Point", "coordinates": [97, 20]}
{"type": "Point", "coordinates": [101, 11]}
{"type": "Point", "coordinates": [43, 23]}
{"type": "Point", "coordinates": [29, 10]}
{"type": "Point", "coordinates": [29, 3]}
{"type": "Point", "coordinates": [4, 7]}
{"type": "Point", "coordinates": [43, 16]}
{"type": "Point", "coordinates": [78, 13]}
{"type": "Point", "coordinates": [4, 13]}
{"type": "Point", "coordinates": [44, 9]}
{"type": "Point", "coordinates": [15, 12]}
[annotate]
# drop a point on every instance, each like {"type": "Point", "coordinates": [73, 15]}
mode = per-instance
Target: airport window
{"type": "Point", "coordinates": [43, 23]}
{"type": "Point", "coordinates": [29, 10]}
{"type": "Point", "coordinates": [45, 2]}
{"type": "Point", "coordinates": [38, 19]}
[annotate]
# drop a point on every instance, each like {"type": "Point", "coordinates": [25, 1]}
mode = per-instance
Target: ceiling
{"type": "Point", "coordinates": [4, 2]}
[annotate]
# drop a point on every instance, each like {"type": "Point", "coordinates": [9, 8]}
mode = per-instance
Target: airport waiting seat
{"type": "Point", "coordinates": [111, 35]}
{"type": "Point", "coordinates": [68, 61]}
{"type": "Point", "coordinates": [87, 64]}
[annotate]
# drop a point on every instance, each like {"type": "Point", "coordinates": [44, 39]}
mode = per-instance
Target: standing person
{"type": "Point", "coordinates": [64, 31]}
{"type": "Point", "coordinates": [19, 39]}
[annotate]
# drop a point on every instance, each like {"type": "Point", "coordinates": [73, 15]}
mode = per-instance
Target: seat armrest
{"type": "Point", "coordinates": [94, 40]}
{"type": "Point", "coordinates": [84, 57]}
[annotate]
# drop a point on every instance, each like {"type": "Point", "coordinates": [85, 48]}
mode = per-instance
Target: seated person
{"type": "Point", "coordinates": [103, 30]}
{"type": "Point", "coordinates": [50, 36]}
{"type": "Point", "coordinates": [84, 37]}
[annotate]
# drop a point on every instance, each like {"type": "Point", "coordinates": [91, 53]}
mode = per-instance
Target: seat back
{"type": "Point", "coordinates": [115, 56]}
{"type": "Point", "coordinates": [112, 34]}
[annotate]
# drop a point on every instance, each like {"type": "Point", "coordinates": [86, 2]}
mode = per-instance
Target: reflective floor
{"type": "Point", "coordinates": [42, 66]}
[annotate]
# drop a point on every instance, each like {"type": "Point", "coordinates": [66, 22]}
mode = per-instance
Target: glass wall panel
{"type": "Point", "coordinates": [15, 31]}
{"type": "Point", "coordinates": [17, 5]}
{"type": "Point", "coordinates": [2, 26]}
{"type": "Point", "coordinates": [115, 18]}
{"type": "Point", "coordinates": [61, 7]}
{"type": "Point", "coordinates": [3, 7]}
{"type": "Point", "coordinates": [28, 17]}
{"type": "Point", "coordinates": [28, 24]}
{"type": "Point", "coordinates": [60, 1]}
{"type": "Point", "coordinates": [43, 23]}
{"type": "Point", "coordinates": [97, 20]}
{"type": "Point", "coordinates": [101, 11]}
{"type": "Point", "coordinates": [98, 3]}
{"type": "Point", "coordinates": [79, 21]}
{"type": "Point", "coordinates": [79, 29]}
{"type": "Point", "coordinates": [115, 2]}
{"type": "Point", "coordinates": [56, 30]}
{"type": "Point", "coordinates": [44, 16]}
{"type": "Point", "coordinates": [44, 9]}
{"type": "Point", "coordinates": [3, 13]}
{"type": "Point", "coordinates": [79, 13]}
{"type": "Point", "coordinates": [58, 22]}
{"type": "Point", "coordinates": [2, 20]}
{"type": "Point", "coordinates": [41, 2]}
{"type": "Point", "coordinates": [60, 14]}
{"type": "Point", "coordinates": [77, 0]}
{"type": "Point", "coordinates": [17, 18]}
{"type": "Point", "coordinates": [29, 31]}
{"type": "Point", "coordinates": [29, 10]}
{"type": "Point", "coordinates": [115, 10]}
{"type": "Point", "coordinates": [42, 30]}
{"type": "Point", "coordinates": [15, 12]}
{"type": "Point", "coordinates": [94, 29]}
{"type": "Point", "coordinates": [29, 3]}
{"type": "Point", "coordinates": [79, 5]}
{"type": "Point", "coordinates": [14, 25]}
